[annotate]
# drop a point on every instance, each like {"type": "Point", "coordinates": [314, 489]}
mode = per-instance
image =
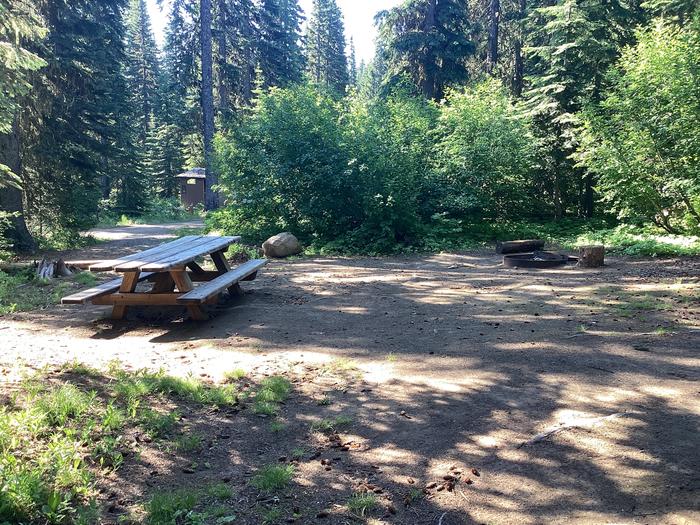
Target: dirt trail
{"type": "Point", "coordinates": [573, 392]}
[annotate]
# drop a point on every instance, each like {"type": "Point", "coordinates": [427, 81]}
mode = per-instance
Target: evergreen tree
{"type": "Point", "coordinates": [326, 61]}
{"type": "Point", "coordinates": [141, 71]}
{"type": "Point", "coordinates": [279, 51]}
{"type": "Point", "coordinates": [18, 25]}
{"type": "Point", "coordinates": [573, 43]}
{"type": "Point", "coordinates": [429, 41]}
{"type": "Point", "coordinates": [75, 130]}
{"type": "Point", "coordinates": [141, 67]}
{"type": "Point", "coordinates": [353, 63]}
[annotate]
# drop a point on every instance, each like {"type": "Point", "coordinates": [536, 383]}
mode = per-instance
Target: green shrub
{"type": "Point", "coordinates": [643, 139]}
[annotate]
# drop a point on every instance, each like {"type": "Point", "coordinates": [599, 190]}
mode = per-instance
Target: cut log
{"type": "Point", "coordinates": [526, 246]}
{"type": "Point", "coordinates": [591, 256]}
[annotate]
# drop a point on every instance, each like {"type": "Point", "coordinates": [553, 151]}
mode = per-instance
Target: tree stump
{"type": "Point", "coordinates": [591, 256]}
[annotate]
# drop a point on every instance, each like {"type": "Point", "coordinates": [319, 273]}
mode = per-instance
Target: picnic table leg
{"type": "Point", "coordinates": [129, 283]}
{"type": "Point", "coordinates": [164, 283]}
{"type": "Point", "coordinates": [184, 285]}
{"type": "Point", "coordinates": [223, 266]}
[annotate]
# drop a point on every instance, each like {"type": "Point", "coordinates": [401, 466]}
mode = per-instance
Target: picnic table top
{"type": "Point", "coordinates": [169, 256]}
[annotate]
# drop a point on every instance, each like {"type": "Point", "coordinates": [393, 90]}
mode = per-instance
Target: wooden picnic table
{"type": "Point", "coordinates": [173, 269]}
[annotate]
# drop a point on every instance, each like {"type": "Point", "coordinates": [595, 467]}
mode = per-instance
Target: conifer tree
{"type": "Point", "coordinates": [142, 73]}
{"type": "Point", "coordinates": [353, 62]}
{"type": "Point", "coordinates": [18, 25]}
{"type": "Point", "coordinates": [572, 45]}
{"type": "Point", "coordinates": [326, 61]}
{"type": "Point", "coordinates": [75, 130]}
{"type": "Point", "coordinates": [279, 51]}
{"type": "Point", "coordinates": [429, 41]}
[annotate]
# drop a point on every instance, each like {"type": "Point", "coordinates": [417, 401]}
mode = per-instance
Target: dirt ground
{"type": "Point", "coordinates": [572, 394]}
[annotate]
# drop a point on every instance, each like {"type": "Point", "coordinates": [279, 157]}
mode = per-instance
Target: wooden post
{"type": "Point", "coordinates": [591, 256]}
{"type": "Point", "coordinates": [223, 267]}
{"type": "Point", "coordinates": [129, 283]}
{"type": "Point", "coordinates": [184, 285]}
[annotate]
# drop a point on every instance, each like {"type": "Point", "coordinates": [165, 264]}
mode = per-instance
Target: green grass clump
{"type": "Point", "coordinates": [157, 424]}
{"type": "Point", "coordinates": [331, 425]}
{"type": "Point", "coordinates": [273, 478]}
{"type": "Point", "coordinates": [188, 443]}
{"type": "Point", "coordinates": [273, 390]}
{"type": "Point", "coordinates": [64, 403]}
{"type": "Point", "coordinates": [172, 508]}
{"type": "Point", "coordinates": [235, 375]}
{"type": "Point", "coordinates": [133, 387]}
{"type": "Point", "coordinates": [361, 504]}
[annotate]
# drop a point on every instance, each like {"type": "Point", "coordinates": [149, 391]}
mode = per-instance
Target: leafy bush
{"type": "Point", "coordinates": [644, 139]}
{"type": "Point", "coordinates": [372, 177]}
{"type": "Point", "coordinates": [484, 155]}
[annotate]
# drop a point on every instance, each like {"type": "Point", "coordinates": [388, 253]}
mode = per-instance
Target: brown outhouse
{"type": "Point", "coordinates": [192, 187]}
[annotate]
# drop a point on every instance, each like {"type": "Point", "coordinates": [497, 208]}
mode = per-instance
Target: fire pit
{"type": "Point", "coordinates": [537, 260]}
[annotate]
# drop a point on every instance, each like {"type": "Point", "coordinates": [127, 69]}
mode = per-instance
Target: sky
{"type": "Point", "coordinates": [359, 21]}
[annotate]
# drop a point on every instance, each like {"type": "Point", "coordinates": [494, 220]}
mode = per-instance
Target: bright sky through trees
{"type": "Point", "coordinates": [359, 21]}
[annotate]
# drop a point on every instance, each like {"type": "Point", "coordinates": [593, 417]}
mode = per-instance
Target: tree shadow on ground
{"type": "Point", "coordinates": [479, 360]}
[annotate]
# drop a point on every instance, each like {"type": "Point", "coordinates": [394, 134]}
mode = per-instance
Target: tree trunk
{"type": "Point", "coordinates": [518, 62]}
{"type": "Point", "coordinates": [494, 19]}
{"type": "Point", "coordinates": [10, 197]}
{"type": "Point", "coordinates": [211, 197]}
{"type": "Point", "coordinates": [428, 75]}
{"type": "Point", "coordinates": [222, 48]}
{"type": "Point", "coordinates": [588, 200]}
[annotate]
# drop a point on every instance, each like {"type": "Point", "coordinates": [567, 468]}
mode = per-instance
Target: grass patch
{"type": "Point", "coordinates": [277, 426]}
{"type": "Point", "coordinates": [60, 433]}
{"type": "Point", "coordinates": [273, 478]}
{"type": "Point", "coordinates": [188, 443]}
{"type": "Point", "coordinates": [273, 391]}
{"type": "Point", "coordinates": [298, 453]}
{"type": "Point", "coordinates": [157, 424]}
{"type": "Point", "coordinates": [171, 508]}
{"type": "Point", "coordinates": [234, 375]}
{"type": "Point", "coordinates": [331, 425]}
{"type": "Point", "coordinates": [361, 504]}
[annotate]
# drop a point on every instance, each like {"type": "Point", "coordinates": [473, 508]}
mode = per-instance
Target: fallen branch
{"type": "Point", "coordinates": [583, 423]}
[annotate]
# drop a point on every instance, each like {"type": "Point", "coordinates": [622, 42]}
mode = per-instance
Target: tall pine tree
{"type": "Point", "coordinates": [572, 45]}
{"type": "Point", "coordinates": [142, 73]}
{"type": "Point", "coordinates": [19, 24]}
{"type": "Point", "coordinates": [428, 41]}
{"type": "Point", "coordinates": [279, 51]}
{"type": "Point", "coordinates": [326, 61]}
{"type": "Point", "coordinates": [75, 128]}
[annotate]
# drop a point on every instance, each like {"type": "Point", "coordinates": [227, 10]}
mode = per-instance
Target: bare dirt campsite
{"type": "Point", "coordinates": [441, 389]}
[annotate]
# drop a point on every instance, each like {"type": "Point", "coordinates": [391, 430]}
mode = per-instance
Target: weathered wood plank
{"type": "Point", "coordinates": [212, 288]}
{"type": "Point", "coordinates": [190, 254]}
{"type": "Point", "coordinates": [105, 266]}
{"type": "Point", "coordinates": [173, 252]}
{"type": "Point", "coordinates": [85, 296]}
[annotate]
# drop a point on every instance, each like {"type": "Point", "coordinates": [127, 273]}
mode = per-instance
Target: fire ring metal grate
{"type": "Point", "coordinates": [537, 260]}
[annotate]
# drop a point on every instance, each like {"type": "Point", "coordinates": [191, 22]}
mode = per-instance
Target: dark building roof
{"type": "Point", "coordinates": [194, 173]}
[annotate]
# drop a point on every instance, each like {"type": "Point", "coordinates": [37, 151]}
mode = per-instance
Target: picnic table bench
{"type": "Point", "coordinates": [173, 269]}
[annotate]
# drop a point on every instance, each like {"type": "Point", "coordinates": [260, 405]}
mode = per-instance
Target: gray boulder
{"type": "Point", "coordinates": [281, 245]}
